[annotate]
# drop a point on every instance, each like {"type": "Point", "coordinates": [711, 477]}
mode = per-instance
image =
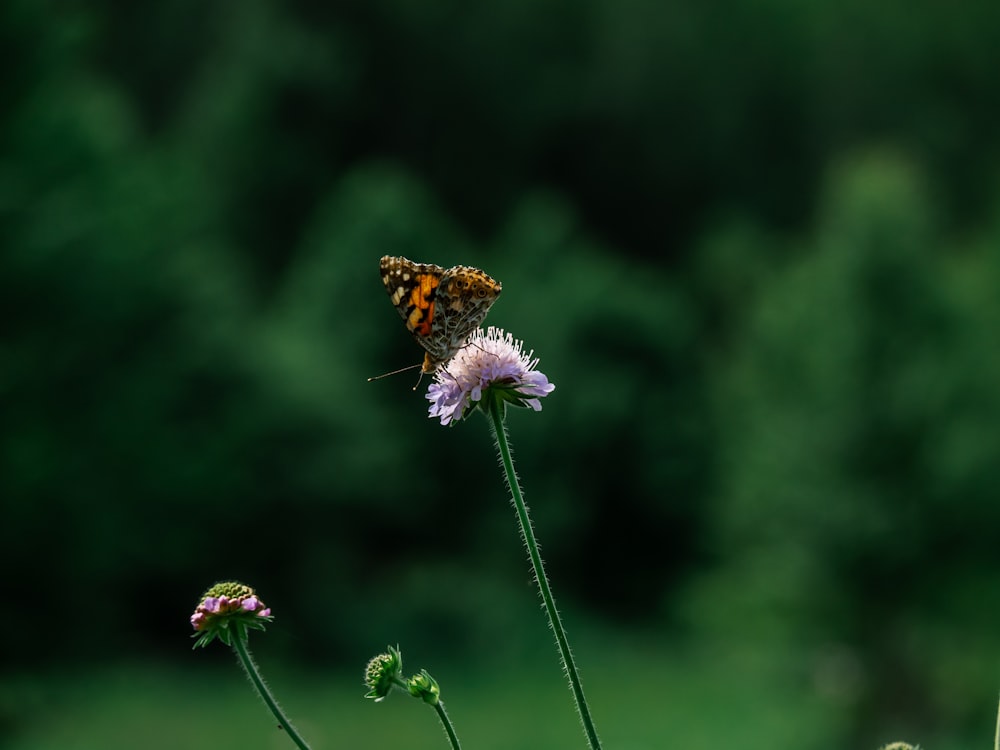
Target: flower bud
{"type": "Point", "coordinates": [382, 673]}
{"type": "Point", "coordinates": [425, 687]}
{"type": "Point", "coordinates": [227, 608]}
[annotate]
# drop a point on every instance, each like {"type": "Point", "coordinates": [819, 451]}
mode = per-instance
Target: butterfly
{"type": "Point", "coordinates": [440, 306]}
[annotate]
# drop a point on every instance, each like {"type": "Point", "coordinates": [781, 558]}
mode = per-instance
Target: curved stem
{"type": "Point", "coordinates": [528, 535]}
{"type": "Point", "coordinates": [240, 646]}
{"type": "Point", "coordinates": [446, 723]}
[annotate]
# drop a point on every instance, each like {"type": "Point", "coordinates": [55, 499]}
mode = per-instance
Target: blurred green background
{"type": "Point", "coordinates": [755, 244]}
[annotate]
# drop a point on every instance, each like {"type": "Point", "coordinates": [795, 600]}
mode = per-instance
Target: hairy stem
{"type": "Point", "coordinates": [528, 535]}
{"type": "Point", "coordinates": [448, 728]}
{"type": "Point", "coordinates": [240, 646]}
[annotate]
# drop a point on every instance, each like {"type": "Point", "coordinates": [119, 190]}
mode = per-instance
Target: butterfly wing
{"type": "Point", "coordinates": [439, 306]}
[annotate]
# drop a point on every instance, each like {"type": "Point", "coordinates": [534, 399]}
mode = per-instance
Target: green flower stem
{"type": "Point", "coordinates": [240, 646]}
{"type": "Point", "coordinates": [442, 714]}
{"type": "Point", "coordinates": [996, 736]}
{"type": "Point", "coordinates": [446, 723]}
{"type": "Point", "coordinates": [528, 535]}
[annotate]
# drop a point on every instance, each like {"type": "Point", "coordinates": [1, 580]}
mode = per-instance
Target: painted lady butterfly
{"type": "Point", "coordinates": [441, 306]}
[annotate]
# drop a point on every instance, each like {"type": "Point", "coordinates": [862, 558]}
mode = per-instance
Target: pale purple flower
{"type": "Point", "coordinates": [254, 604]}
{"type": "Point", "coordinates": [495, 361]}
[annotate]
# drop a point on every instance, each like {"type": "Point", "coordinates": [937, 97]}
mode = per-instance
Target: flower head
{"type": "Point", "coordinates": [382, 673]}
{"type": "Point", "coordinates": [226, 608]}
{"type": "Point", "coordinates": [425, 687]}
{"type": "Point", "coordinates": [491, 365]}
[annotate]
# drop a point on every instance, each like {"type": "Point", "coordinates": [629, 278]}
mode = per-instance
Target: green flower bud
{"type": "Point", "coordinates": [382, 673]}
{"type": "Point", "coordinates": [425, 687]}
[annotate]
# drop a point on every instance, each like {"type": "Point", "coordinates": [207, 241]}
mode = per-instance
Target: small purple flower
{"type": "Point", "coordinates": [491, 363]}
{"type": "Point", "coordinates": [226, 608]}
{"type": "Point", "coordinates": [253, 604]}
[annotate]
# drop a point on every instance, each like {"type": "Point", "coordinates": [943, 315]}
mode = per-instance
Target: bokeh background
{"type": "Point", "coordinates": [756, 245]}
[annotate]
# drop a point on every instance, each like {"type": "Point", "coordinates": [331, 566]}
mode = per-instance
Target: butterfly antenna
{"type": "Point", "coordinates": [396, 372]}
{"type": "Point", "coordinates": [419, 378]}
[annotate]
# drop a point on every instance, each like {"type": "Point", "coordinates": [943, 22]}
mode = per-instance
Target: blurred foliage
{"type": "Point", "coordinates": [756, 246]}
{"type": "Point", "coordinates": [201, 703]}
